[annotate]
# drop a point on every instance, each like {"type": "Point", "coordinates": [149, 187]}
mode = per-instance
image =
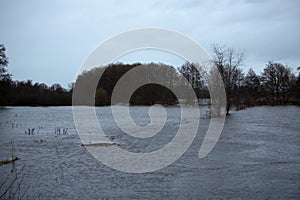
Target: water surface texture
{"type": "Point", "coordinates": [257, 156]}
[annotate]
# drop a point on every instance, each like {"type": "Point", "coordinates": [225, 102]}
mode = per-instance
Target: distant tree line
{"type": "Point", "coordinates": [27, 93]}
{"type": "Point", "coordinates": [276, 85]}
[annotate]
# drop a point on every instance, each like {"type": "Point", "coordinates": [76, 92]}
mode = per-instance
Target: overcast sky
{"type": "Point", "coordinates": [47, 41]}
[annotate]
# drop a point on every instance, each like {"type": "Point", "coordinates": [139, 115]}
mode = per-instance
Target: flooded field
{"type": "Point", "coordinates": [256, 157]}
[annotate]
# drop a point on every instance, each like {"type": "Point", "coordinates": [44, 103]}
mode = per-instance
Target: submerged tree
{"type": "Point", "coordinates": [216, 92]}
{"type": "Point", "coordinates": [228, 62]}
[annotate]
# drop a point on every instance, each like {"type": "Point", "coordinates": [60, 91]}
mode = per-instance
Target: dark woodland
{"type": "Point", "coordinates": [276, 85]}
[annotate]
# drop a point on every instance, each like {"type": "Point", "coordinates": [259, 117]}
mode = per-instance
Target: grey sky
{"type": "Point", "coordinates": [47, 41]}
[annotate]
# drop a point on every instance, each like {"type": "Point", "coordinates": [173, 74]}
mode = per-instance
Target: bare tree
{"type": "Point", "coordinates": [228, 62]}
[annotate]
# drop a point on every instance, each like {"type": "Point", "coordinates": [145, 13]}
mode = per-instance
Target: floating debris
{"type": "Point", "coordinates": [100, 144]}
{"type": "Point", "coordinates": [7, 161]}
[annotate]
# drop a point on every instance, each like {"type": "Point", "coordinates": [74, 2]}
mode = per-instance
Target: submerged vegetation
{"type": "Point", "coordinates": [13, 157]}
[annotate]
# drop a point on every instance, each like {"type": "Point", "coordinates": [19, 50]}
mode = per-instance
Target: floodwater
{"type": "Point", "coordinates": [256, 157]}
